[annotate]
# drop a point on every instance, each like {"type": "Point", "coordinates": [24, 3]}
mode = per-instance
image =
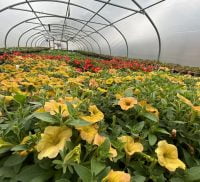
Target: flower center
{"type": "Point", "coordinates": [128, 103]}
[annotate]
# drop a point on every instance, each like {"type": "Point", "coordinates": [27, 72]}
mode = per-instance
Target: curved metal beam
{"type": "Point", "coordinates": [66, 34]}
{"type": "Point", "coordinates": [58, 26]}
{"type": "Point", "coordinates": [154, 26]}
{"type": "Point", "coordinates": [44, 34]}
{"type": "Point", "coordinates": [20, 3]}
{"type": "Point", "coordinates": [83, 45]}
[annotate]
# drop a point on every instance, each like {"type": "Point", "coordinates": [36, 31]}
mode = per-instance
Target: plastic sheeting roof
{"type": "Point", "coordinates": [168, 30]}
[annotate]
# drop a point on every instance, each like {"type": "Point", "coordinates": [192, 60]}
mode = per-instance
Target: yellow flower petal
{"type": "Point", "coordinates": [168, 156]}
{"type": "Point", "coordinates": [52, 141]}
{"type": "Point", "coordinates": [186, 101]}
{"type": "Point", "coordinates": [130, 146]}
{"type": "Point", "coordinates": [117, 176]}
{"type": "Point", "coordinates": [127, 103]}
{"type": "Point", "coordinates": [95, 116]}
{"type": "Point", "coordinates": [88, 132]}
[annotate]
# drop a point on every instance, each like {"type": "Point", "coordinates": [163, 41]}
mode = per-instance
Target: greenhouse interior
{"type": "Point", "coordinates": [99, 91]}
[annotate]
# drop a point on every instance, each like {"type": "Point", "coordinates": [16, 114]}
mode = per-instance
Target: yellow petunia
{"type": "Point", "coordinates": [168, 156]}
{"type": "Point", "coordinates": [24, 142]}
{"type": "Point", "coordinates": [109, 81]}
{"type": "Point", "coordinates": [102, 90]}
{"type": "Point", "coordinates": [127, 103]}
{"type": "Point", "coordinates": [88, 133]}
{"type": "Point", "coordinates": [53, 107]}
{"type": "Point", "coordinates": [149, 108]}
{"type": "Point", "coordinates": [188, 102]}
{"type": "Point", "coordinates": [117, 176]}
{"type": "Point", "coordinates": [184, 100]}
{"type": "Point", "coordinates": [93, 83]}
{"type": "Point", "coordinates": [6, 99]}
{"type": "Point", "coordinates": [98, 140]}
{"type": "Point", "coordinates": [95, 115]}
{"type": "Point", "coordinates": [4, 143]}
{"type": "Point", "coordinates": [53, 141]}
{"type": "Point", "coordinates": [130, 146]}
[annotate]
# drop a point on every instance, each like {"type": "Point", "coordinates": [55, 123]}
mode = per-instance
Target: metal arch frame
{"type": "Point", "coordinates": [43, 35]}
{"type": "Point", "coordinates": [57, 40]}
{"type": "Point", "coordinates": [28, 31]}
{"type": "Point", "coordinates": [53, 16]}
{"type": "Point", "coordinates": [62, 33]}
{"type": "Point", "coordinates": [111, 24]}
{"type": "Point", "coordinates": [77, 44]}
{"type": "Point", "coordinates": [153, 24]}
{"type": "Point", "coordinates": [31, 1]}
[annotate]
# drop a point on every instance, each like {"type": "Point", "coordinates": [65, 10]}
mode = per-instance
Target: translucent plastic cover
{"type": "Point", "coordinates": [165, 30]}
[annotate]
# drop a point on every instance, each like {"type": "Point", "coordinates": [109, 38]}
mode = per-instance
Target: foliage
{"type": "Point", "coordinates": [77, 122]}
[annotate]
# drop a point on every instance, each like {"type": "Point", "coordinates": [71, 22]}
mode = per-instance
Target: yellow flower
{"type": "Point", "coordinates": [117, 176]}
{"type": "Point", "coordinates": [4, 143]}
{"type": "Point", "coordinates": [52, 141]}
{"type": "Point", "coordinates": [95, 115]}
{"type": "Point", "coordinates": [24, 142]}
{"type": "Point", "coordinates": [102, 90]}
{"type": "Point", "coordinates": [98, 140]}
{"type": "Point", "coordinates": [149, 108]}
{"type": "Point", "coordinates": [137, 91]}
{"type": "Point", "coordinates": [130, 146]}
{"type": "Point", "coordinates": [6, 99]}
{"type": "Point", "coordinates": [109, 81]}
{"type": "Point", "coordinates": [189, 103]}
{"type": "Point", "coordinates": [118, 96]}
{"type": "Point", "coordinates": [93, 83]}
{"type": "Point", "coordinates": [112, 71]}
{"type": "Point", "coordinates": [184, 100]}
{"type": "Point", "coordinates": [88, 132]}
{"type": "Point", "coordinates": [53, 107]}
{"type": "Point", "coordinates": [196, 108]}
{"type": "Point", "coordinates": [127, 102]}
{"type": "Point", "coordinates": [168, 156]}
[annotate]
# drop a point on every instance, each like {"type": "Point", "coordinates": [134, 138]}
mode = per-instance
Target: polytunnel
{"type": "Point", "coordinates": [164, 30]}
{"type": "Point", "coordinates": [99, 91]}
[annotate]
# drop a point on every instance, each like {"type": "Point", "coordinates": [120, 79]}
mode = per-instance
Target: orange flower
{"type": "Point", "coordinates": [127, 103]}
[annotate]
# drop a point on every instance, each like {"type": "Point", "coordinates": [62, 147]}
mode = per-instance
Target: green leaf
{"type": "Point", "coordinates": [161, 130]}
{"type": "Point", "coordinates": [20, 98]}
{"type": "Point", "coordinates": [7, 172]}
{"type": "Point", "coordinates": [96, 166]}
{"type": "Point", "coordinates": [83, 172]}
{"type": "Point", "coordinates": [128, 92]}
{"type": "Point", "coordinates": [78, 122]}
{"type": "Point", "coordinates": [139, 126]}
{"type": "Point", "coordinates": [193, 174]}
{"type": "Point", "coordinates": [45, 116]}
{"type": "Point", "coordinates": [33, 173]}
{"type": "Point", "coordinates": [14, 160]}
{"type": "Point", "coordinates": [19, 148]}
{"type": "Point", "coordinates": [138, 178]}
{"type": "Point", "coordinates": [178, 122]}
{"type": "Point", "coordinates": [70, 109]}
{"type": "Point", "coordinates": [151, 117]}
{"type": "Point", "coordinates": [103, 149]}
{"type": "Point", "coordinates": [152, 139]}
{"type": "Point", "coordinates": [176, 180]}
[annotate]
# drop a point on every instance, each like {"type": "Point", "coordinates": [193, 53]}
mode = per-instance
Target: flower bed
{"type": "Point", "coordinates": [112, 124]}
